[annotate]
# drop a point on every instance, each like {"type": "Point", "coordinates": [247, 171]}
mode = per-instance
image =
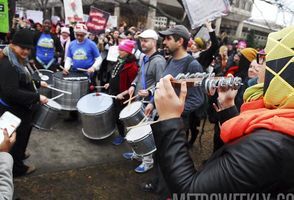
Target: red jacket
{"type": "Point", "coordinates": [127, 75]}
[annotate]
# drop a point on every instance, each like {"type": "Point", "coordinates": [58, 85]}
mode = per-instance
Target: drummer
{"type": "Point", "coordinates": [48, 49]}
{"type": "Point", "coordinates": [83, 54]}
{"type": "Point", "coordinates": [122, 76]}
{"type": "Point", "coordinates": [18, 95]}
{"type": "Point", "coordinates": [152, 65]}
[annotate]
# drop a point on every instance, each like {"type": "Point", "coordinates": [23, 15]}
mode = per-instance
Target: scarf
{"type": "Point", "coordinates": [21, 68]}
{"type": "Point", "coordinates": [274, 109]}
{"type": "Point", "coordinates": [253, 93]}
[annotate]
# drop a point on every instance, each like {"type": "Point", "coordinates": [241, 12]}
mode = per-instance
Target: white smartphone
{"type": "Point", "coordinates": [10, 122]}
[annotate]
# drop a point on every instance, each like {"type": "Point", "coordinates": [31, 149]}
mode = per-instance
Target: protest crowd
{"type": "Point", "coordinates": [154, 73]}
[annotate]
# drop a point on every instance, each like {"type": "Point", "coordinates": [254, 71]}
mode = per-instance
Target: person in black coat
{"type": "Point", "coordinates": [18, 94]}
{"type": "Point", "coordinates": [258, 155]}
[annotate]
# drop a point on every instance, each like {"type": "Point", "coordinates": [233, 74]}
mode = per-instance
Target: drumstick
{"type": "Point", "coordinates": [143, 120]}
{"type": "Point", "coordinates": [37, 70]}
{"type": "Point", "coordinates": [107, 95]}
{"type": "Point", "coordinates": [130, 99]}
{"type": "Point", "coordinates": [143, 124]}
{"type": "Point", "coordinates": [57, 96]}
{"type": "Point", "coordinates": [92, 87]}
{"type": "Point", "coordinates": [81, 69]}
{"type": "Point", "coordinates": [58, 90]}
{"type": "Point", "coordinates": [61, 67]}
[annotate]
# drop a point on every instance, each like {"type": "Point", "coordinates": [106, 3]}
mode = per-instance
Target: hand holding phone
{"type": "Point", "coordinates": [9, 122]}
{"type": "Point", "coordinates": [7, 142]}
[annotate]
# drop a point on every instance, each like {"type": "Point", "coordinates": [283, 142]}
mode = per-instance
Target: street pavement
{"type": "Point", "coordinates": [70, 166]}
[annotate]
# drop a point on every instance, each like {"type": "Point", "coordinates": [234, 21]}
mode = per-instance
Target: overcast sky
{"type": "Point", "coordinates": [262, 10]}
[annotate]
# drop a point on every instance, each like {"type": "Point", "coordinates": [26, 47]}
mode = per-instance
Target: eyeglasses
{"type": "Point", "coordinates": [260, 58]}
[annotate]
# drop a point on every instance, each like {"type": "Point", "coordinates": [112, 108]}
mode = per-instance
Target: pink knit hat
{"type": "Point", "coordinates": [242, 44]}
{"type": "Point", "coordinates": [127, 46]}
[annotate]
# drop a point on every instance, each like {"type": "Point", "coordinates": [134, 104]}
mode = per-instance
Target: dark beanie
{"type": "Point", "coordinates": [23, 38]}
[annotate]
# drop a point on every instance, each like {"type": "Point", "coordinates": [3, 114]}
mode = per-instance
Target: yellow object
{"type": "Point", "coordinates": [280, 69]}
{"type": "Point", "coordinates": [253, 93]}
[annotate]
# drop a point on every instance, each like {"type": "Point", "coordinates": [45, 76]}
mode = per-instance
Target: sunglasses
{"type": "Point", "coordinates": [260, 58]}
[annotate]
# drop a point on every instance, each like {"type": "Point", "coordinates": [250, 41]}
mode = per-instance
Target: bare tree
{"type": "Point", "coordinates": [157, 8]}
{"type": "Point", "coordinates": [43, 5]}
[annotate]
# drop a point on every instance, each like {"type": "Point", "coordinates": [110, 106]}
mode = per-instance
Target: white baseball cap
{"type": "Point", "coordinates": [149, 34]}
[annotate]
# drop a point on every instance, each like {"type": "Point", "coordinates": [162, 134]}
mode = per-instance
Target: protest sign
{"type": "Point", "coordinates": [97, 21]}
{"type": "Point", "coordinates": [4, 16]}
{"type": "Point", "coordinates": [35, 15]}
{"type": "Point", "coordinates": [199, 11]}
{"type": "Point", "coordinates": [73, 11]}
{"type": "Point", "coordinates": [112, 54]}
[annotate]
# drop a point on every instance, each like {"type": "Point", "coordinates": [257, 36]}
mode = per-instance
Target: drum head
{"type": "Point", "coordinates": [130, 109]}
{"type": "Point", "coordinates": [72, 76]}
{"type": "Point", "coordinates": [44, 75]}
{"type": "Point", "coordinates": [138, 133]}
{"type": "Point", "coordinates": [92, 104]}
{"type": "Point", "coordinates": [53, 104]}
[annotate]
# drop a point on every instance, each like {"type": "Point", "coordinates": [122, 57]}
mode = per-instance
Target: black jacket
{"type": "Point", "coordinates": [206, 57]}
{"type": "Point", "coordinates": [14, 89]}
{"type": "Point", "coordinates": [261, 162]}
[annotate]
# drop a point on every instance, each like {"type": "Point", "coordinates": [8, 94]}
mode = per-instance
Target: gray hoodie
{"type": "Point", "coordinates": [154, 68]}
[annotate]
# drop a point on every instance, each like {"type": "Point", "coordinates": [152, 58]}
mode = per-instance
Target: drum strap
{"type": "Point", "coordinates": [43, 64]}
{"type": "Point", "coordinates": [4, 103]}
{"type": "Point", "coordinates": [143, 73]}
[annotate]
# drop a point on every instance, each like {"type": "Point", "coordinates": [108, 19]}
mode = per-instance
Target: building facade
{"type": "Point", "coordinates": [236, 24]}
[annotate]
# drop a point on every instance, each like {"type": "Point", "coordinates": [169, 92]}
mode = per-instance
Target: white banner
{"type": "Point", "coordinates": [73, 11]}
{"type": "Point", "coordinates": [112, 54]}
{"type": "Point", "coordinates": [200, 11]}
{"type": "Point", "coordinates": [112, 22]}
{"type": "Point", "coordinates": [35, 15]}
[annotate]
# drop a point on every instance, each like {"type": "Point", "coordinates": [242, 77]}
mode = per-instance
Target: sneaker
{"type": "Point", "coordinates": [118, 140]}
{"type": "Point", "coordinates": [30, 170]}
{"type": "Point", "coordinates": [144, 167]}
{"type": "Point", "coordinates": [131, 156]}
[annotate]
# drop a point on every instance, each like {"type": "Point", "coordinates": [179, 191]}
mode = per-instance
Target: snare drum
{"type": "Point", "coordinates": [97, 114]}
{"type": "Point", "coordinates": [141, 140]}
{"type": "Point", "coordinates": [132, 114]}
{"type": "Point", "coordinates": [47, 115]}
{"type": "Point", "coordinates": [74, 82]}
{"type": "Point", "coordinates": [47, 76]}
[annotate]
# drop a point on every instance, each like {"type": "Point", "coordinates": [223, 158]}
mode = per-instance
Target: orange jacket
{"type": "Point", "coordinates": [255, 116]}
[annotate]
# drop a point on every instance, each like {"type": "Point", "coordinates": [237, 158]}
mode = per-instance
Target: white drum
{"type": "Point", "coordinates": [97, 116]}
{"type": "Point", "coordinates": [47, 115]}
{"type": "Point", "coordinates": [132, 114]}
{"type": "Point", "coordinates": [141, 140]}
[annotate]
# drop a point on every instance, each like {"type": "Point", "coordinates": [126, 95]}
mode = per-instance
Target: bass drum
{"type": "Point", "coordinates": [74, 82]}
{"type": "Point", "coordinates": [47, 115]}
{"type": "Point", "coordinates": [141, 140]}
{"type": "Point", "coordinates": [132, 114]}
{"type": "Point", "coordinates": [97, 115]}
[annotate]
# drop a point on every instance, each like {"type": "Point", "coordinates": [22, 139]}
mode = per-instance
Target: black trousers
{"type": "Point", "coordinates": [118, 106]}
{"type": "Point", "coordinates": [23, 133]}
